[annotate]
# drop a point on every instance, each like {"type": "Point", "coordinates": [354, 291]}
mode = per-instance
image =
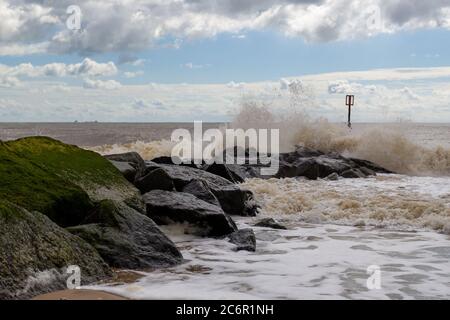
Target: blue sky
{"type": "Point", "coordinates": [177, 60]}
{"type": "Point", "coordinates": [269, 55]}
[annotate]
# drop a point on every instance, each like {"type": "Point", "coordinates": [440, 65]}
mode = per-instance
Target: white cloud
{"type": "Point", "coordinates": [127, 26]}
{"type": "Point", "coordinates": [129, 74]}
{"type": "Point", "coordinates": [87, 67]}
{"type": "Point", "coordinates": [9, 82]}
{"type": "Point", "coordinates": [49, 99]}
{"type": "Point", "coordinates": [235, 85]}
{"type": "Point", "coordinates": [101, 84]}
{"type": "Point", "coordinates": [345, 87]}
{"type": "Point", "coordinates": [290, 84]}
{"type": "Point", "coordinates": [191, 65]}
{"type": "Point", "coordinates": [409, 93]}
{"type": "Point", "coordinates": [395, 74]}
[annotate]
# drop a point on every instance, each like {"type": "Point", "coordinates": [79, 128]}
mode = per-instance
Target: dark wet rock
{"type": "Point", "coordinates": [182, 175]}
{"type": "Point", "coordinates": [313, 164]}
{"type": "Point", "coordinates": [157, 179]}
{"type": "Point", "coordinates": [312, 168]}
{"type": "Point", "coordinates": [166, 207]}
{"type": "Point", "coordinates": [127, 169]}
{"type": "Point", "coordinates": [333, 177]}
{"type": "Point", "coordinates": [233, 199]}
{"type": "Point", "coordinates": [244, 239]}
{"type": "Point", "coordinates": [177, 161]}
{"type": "Point", "coordinates": [300, 152]}
{"type": "Point", "coordinates": [369, 165]}
{"type": "Point", "coordinates": [166, 160]}
{"type": "Point", "coordinates": [126, 238]}
{"type": "Point", "coordinates": [233, 173]}
{"type": "Point", "coordinates": [201, 190]}
{"type": "Point", "coordinates": [132, 158]}
{"type": "Point", "coordinates": [236, 201]}
{"type": "Point", "coordinates": [353, 173]}
{"type": "Point", "coordinates": [35, 254]}
{"type": "Point", "coordinates": [367, 171]}
{"type": "Point", "coordinates": [270, 223]}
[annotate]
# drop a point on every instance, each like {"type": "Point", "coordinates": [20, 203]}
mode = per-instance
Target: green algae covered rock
{"type": "Point", "coordinates": [60, 180]}
{"type": "Point", "coordinates": [35, 254]}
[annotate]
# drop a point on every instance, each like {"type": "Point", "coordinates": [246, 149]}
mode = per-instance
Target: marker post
{"type": "Point", "coordinates": [350, 101]}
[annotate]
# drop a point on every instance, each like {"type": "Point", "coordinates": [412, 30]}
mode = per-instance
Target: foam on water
{"type": "Point", "coordinates": [147, 150]}
{"type": "Point", "coordinates": [305, 262]}
{"type": "Point", "coordinates": [385, 201]}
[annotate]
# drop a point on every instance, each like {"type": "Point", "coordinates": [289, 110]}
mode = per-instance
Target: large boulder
{"type": "Point", "coordinates": [32, 186]}
{"type": "Point", "coordinates": [200, 189]}
{"type": "Point", "coordinates": [126, 169]}
{"type": "Point", "coordinates": [233, 199]}
{"type": "Point", "coordinates": [182, 175]}
{"type": "Point", "coordinates": [313, 164]}
{"type": "Point", "coordinates": [60, 180]}
{"type": "Point", "coordinates": [312, 168]}
{"type": "Point", "coordinates": [126, 238]}
{"type": "Point", "coordinates": [157, 179]}
{"type": "Point", "coordinates": [131, 158]}
{"type": "Point", "coordinates": [232, 172]}
{"type": "Point", "coordinates": [35, 254]}
{"type": "Point", "coordinates": [166, 207]}
{"type": "Point", "coordinates": [236, 201]}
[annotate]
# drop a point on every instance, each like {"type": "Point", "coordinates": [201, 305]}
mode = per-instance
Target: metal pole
{"type": "Point", "coordinates": [349, 115]}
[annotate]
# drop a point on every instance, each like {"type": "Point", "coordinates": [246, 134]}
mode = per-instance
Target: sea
{"type": "Point", "coordinates": [384, 237]}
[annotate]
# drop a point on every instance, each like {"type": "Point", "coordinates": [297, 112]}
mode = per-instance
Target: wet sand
{"type": "Point", "coordinates": [80, 294]}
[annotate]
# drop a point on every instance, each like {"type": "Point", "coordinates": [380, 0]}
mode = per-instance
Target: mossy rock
{"type": "Point", "coordinates": [60, 180]}
{"type": "Point", "coordinates": [35, 254]}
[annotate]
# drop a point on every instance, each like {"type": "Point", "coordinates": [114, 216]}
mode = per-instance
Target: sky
{"type": "Point", "coordinates": [186, 60]}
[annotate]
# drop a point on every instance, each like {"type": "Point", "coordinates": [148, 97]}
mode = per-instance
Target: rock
{"type": "Point", "coordinates": [270, 223]}
{"type": "Point", "coordinates": [156, 179]}
{"type": "Point", "coordinates": [169, 160]}
{"type": "Point", "coordinates": [232, 198]}
{"type": "Point", "coordinates": [165, 160]}
{"type": "Point", "coordinates": [35, 254]}
{"type": "Point", "coordinates": [236, 201]}
{"type": "Point", "coordinates": [126, 238]}
{"type": "Point", "coordinates": [312, 168]}
{"type": "Point", "coordinates": [201, 190]}
{"type": "Point", "coordinates": [127, 169]}
{"type": "Point", "coordinates": [367, 171]}
{"type": "Point", "coordinates": [333, 177]}
{"type": "Point", "coordinates": [182, 175]}
{"type": "Point", "coordinates": [30, 185]}
{"type": "Point", "coordinates": [300, 152]}
{"type": "Point", "coordinates": [132, 158]}
{"type": "Point", "coordinates": [313, 164]}
{"type": "Point", "coordinates": [370, 165]}
{"type": "Point", "coordinates": [232, 173]}
{"type": "Point", "coordinates": [353, 173]}
{"type": "Point", "coordinates": [244, 239]}
{"type": "Point", "coordinates": [60, 180]}
{"type": "Point", "coordinates": [166, 207]}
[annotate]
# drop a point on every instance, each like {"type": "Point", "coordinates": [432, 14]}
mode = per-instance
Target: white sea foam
{"type": "Point", "coordinates": [305, 262]}
{"type": "Point", "coordinates": [386, 200]}
{"type": "Point", "coordinates": [147, 150]}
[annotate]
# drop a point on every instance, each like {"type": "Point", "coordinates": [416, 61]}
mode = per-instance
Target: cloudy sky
{"type": "Point", "coordinates": [185, 60]}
